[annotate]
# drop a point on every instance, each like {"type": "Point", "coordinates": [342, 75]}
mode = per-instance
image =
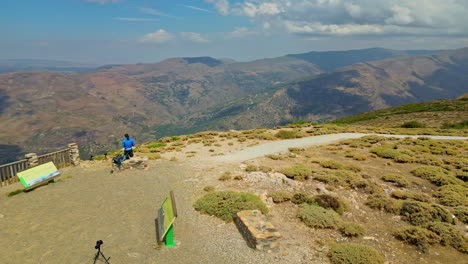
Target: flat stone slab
{"type": "Point", "coordinates": [259, 233]}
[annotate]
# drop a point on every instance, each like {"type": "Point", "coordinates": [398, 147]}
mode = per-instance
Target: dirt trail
{"type": "Point", "coordinates": [283, 145]}
{"type": "Point", "coordinates": [60, 223]}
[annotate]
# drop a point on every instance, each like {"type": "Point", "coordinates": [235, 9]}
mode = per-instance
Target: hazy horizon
{"type": "Point", "coordinates": [123, 31]}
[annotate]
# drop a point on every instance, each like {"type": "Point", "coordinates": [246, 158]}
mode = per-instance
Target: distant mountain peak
{"type": "Point", "coordinates": [208, 61]}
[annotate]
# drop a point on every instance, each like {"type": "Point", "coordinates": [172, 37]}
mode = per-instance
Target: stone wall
{"type": "Point", "coordinates": [140, 163]}
{"type": "Point", "coordinates": [259, 233]}
{"type": "Point", "coordinates": [74, 154]}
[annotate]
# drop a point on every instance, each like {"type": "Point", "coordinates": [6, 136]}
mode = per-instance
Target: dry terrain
{"type": "Point", "coordinates": [61, 222]}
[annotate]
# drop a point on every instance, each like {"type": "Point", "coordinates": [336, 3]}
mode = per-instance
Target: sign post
{"type": "Point", "coordinates": [167, 214]}
{"type": "Point", "coordinates": [38, 175]}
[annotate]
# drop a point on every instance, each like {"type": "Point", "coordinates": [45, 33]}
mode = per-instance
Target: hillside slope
{"type": "Point", "coordinates": [351, 90]}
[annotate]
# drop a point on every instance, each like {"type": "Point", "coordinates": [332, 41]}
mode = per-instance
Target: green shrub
{"type": "Point", "coordinates": [275, 157]}
{"type": "Point", "coordinates": [450, 236]}
{"type": "Point", "coordinates": [328, 201]}
{"type": "Point", "coordinates": [286, 134]}
{"type": "Point", "coordinates": [350, 253]}
{"type": "Point", "coordinates": [429, 159]}
{"type": "Point", "coordinates": [421, 197]}
{"type": "Point", "coordinates": [420, 213]}
{"type": "Point", "coordinates": [417, 236]}
{"type": "Point", "coordinates": [352, 167]}
{"type": "Point", "coordinates": [381, 202]}
{"type": "Point", "coordinates": [358, 157]}
{"type": "Point", "coordinates": [317, 217]}
{"type": "Point", "coordinates": [300, 198]}
{"type": "Point", "coordinates": [436, 175]}
{"type": "Point", "coordinates": [342, 178]}
{"type": "Point", "coordinates": [461, 212]}
{"type": "Point", "coordinates": [225, 205]}
{"type": "Point", "coordinates": [281, 196]}
{"type": "Point", "coordinates": [399, 180]}
{"type": "Point", "coordinates": [330, 164]}
{"type": "Point", "coordinates": [452, 195]}
{"type": "Point", "coordinates": [386, 152]}
{"type": "Point", "coordinates": [251, 168]}
{"type": "Point", "coordinates": [352, 230]}
{"type": "Point", "coordinates": [296, 150]}
{"type": "Point", "coordinates": [226, 176]}
{"type": "Point", "coordinates": [209, 188]}
{"type": "Point", "coordinates": [264, 168]}
{"type": "Point", "coordinates": [413, 124]}
{"type": "Point", "coordinates": [461, 125]}
{"type": "Point", "coordinates": [298, 172]}
{"type": "Point", "coordinates": [404, 158]}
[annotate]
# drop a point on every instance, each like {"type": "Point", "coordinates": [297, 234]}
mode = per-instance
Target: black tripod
{"type": "Point", "coordinates": [99, 253]}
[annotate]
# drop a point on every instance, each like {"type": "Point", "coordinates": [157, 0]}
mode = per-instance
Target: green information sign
{"type": "Point", "coordinates": [166, 216]}
{"type": "Point", "coordinates": [38, 174]}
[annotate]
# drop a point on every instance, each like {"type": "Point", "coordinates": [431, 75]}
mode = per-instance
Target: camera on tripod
{"type": "Point", "coordinates": [98, 244]}
{"type": "Point", "coordinates": [99, 253]}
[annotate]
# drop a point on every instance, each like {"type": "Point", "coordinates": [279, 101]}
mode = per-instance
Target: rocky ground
{"type": "Point", "coordinates": [61, 222]}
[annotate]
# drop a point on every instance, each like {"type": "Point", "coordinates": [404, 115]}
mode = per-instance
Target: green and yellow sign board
{"type": "Point", "coordinates": [166, 216]}
{"type": "Point", "coordinates": [38, 174]}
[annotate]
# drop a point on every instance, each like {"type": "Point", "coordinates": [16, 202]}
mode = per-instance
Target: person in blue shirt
{"type": "Point", "coordinates": [128, 145]}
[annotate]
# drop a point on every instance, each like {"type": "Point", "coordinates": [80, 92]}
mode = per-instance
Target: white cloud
{"type": "Point", "coordinates": [194, 37]}
{"type": "Point", "coordinates": [133, 19]}
{"type": "Point", "coordinates": [195, 8]}
{"type": "Point", "coordinates": [159, 37]}
{"type": "Point", "coordinates": [222, 6]}
{"type": "Point", "coordinates": [355, 17]}
{"type": "Point", "coordinates": [240, 32]}
{"type": "Point", "coordinates": [102, 2]}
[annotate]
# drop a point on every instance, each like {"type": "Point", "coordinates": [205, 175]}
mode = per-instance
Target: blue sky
{"type": "Point", "coordinates": [131, 31]}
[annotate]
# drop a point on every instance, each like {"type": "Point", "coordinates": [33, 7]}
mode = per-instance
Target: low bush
{"type": "Point", "coordinates": [386, 152]}
{"type": "Point", "coordinates": [342, 178]}
{"type": "Point", "coordinates": [399, 180]}
{"type": "Point", "coordinates": [461, 125]}
{"type": "Point", "coordinates": [413, 124]}
{"type": "Point", "coordinates": [298, 172]}
{"type": "Point", "coordinates": [275, 157]}
{"type": "Point", "coordinates": [452, 195]}
{"type": "Point", "coordinates": [330, 164]}
{"type": "Point", "coordinates": [381, 202]}
{"type": "Point", "coordinates": [461, 212]}
{"type": "Point", "coordinates": [350, 253]}
{"type": "Point", "coordinates": [420, 213]}
{"type": "Point", "coordinates": [429, 159]}
{"type": "Point", "coordinates": [436, 175]}
{"type": "Point", "coordinates": [209, 188]}
{"type": "Point", "coordinates": [226, 176]}
{"type": "Point", "coordinates": [417, 236]}
{"type": "Point", "coordinates": [328, 201]}
{"type": "Point", "coordinates": [264, 168]}
{"type": "Point", "coordinates": [300, 198]}
{"type": "Point", "coordinates": [251, 168]}
{"type": "Point", "coordinates": [286, 134]}
{"type": "Point", "coordinates": [358, 157]}
{"type": "Point", "coordinates": [352, 230]}
{"type": "Point", "coordinates": [421, 197]}
{"type": "Point", "coordinates": [281, 196]}
{"type": "Point", "coordinates": [450, 236]}
{"type": "Point", "coordinates": [317, 217]}
{"type": "Point", "coordinates": [404, 158]}
{"type": "Point", "coordinates": [225, 205]}
{"type": "Point", "coordinates": [15, 192]}
{"type": "Point", "coordinates": [352, 167]}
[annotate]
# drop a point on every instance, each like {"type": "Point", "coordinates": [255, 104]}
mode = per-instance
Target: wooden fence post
{"type": "Point", "coordinates": [32, 159]}
{"type": "Point", "coordinates": [74, 154]}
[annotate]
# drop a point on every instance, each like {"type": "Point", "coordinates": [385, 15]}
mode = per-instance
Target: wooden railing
{"type": "Point", "coordinates": [60, 158]}
{"type": "Point", "coordinates": [8, 171]}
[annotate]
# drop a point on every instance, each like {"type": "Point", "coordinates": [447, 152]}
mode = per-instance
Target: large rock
{"type": "Point", "coordinates": [259, 233]}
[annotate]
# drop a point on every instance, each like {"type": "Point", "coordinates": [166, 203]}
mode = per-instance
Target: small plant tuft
{"type": "Point", "coordinates": [350, 253]}
{"type": "Point", "coordinates": [352, 230]}
{"type": "Point", "coordinates": [399, 180]}
{"type": "Point", "coordinates": [281, 196]}
{"type": "Point", "coordinates": [317, 217]}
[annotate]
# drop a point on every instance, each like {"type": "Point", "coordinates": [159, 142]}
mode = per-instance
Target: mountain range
{"type": "Point", "coordinates": [45, 110]}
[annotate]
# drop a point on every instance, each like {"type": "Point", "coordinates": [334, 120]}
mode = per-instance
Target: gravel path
{"type": "Point", "coordinates": [283, 145]}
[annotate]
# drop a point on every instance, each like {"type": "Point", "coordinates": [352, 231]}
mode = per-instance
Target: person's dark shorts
{"type": "Point", "coordinates": [128, 153]}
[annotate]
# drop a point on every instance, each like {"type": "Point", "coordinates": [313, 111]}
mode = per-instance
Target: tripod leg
{"type": "Point", "coordinates": [97, 256]}
{"type": "Point", "coordinates": [104, 257]}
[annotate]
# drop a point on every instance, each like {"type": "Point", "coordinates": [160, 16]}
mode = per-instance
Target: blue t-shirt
{"type": "Point", "coordinates": [127, 144]}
